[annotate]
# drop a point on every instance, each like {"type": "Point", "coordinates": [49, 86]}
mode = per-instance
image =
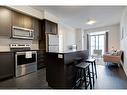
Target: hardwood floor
{"type": "Point", "coordinates": [109, 77]}
{"type": "Point", "coordinates": [36, 80]}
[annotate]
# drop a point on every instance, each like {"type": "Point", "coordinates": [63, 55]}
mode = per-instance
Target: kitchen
{"type": "Point", "coordinates": [20, 32]}
{"type": "Point", "coordinates": [24, 41]}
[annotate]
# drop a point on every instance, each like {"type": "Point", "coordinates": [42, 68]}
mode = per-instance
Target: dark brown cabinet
{"type": "Point", "coordinates": [42, 36]}
{"type": "Point", "coordinates": [50, 27]}
{"type": "Point", "coordinates": [42, 44]}
{"type": "Point", "coordinates": [28, 22]}
{"type": "Point", "coordinates": [6, 65]}
{"type": "Point", "coordinates": [5, 21]}
{"type": "Point", "coordinates": [47, 27]}
{"type": "Point", "coordinates": [22, 20]}
{"type": "Point", "coordinates": [37, 28]}
{"type": "Point", "coordinates": [17, 19]}
{"type": "Point", "coordinates": [61, 71]}
{"type": "Point", "coordinates": [40, 59]}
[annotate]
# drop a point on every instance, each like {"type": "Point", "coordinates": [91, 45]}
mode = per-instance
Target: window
{"type": "Point", "coordinates": [97, 42]}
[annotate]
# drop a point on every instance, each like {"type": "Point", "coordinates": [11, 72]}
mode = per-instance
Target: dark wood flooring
{"type": "Point", "coordinates": [109, 77]}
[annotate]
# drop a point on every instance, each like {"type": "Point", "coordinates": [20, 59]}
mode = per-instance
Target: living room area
{"type": "Point", "coordinates": [103, 43]}
{"type": "Point", "coordinates": [107, 44]}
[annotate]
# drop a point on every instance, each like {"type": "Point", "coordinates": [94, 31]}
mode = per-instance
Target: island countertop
{"type": "Point", "coordinates": [69, 51]}
{"type": "Point", "coordinates": [60, 70]}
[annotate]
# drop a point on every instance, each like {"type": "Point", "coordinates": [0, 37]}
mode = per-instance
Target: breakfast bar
{"type": "Point", "coordinates": [60, 69]}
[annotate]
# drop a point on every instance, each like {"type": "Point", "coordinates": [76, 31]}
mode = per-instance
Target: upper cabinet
{"type": "Point", "coordinates": [28, 22]}
{"type": "Point", "coordinates": [47, 27]}
{"type": "Point", "coordinates": [10, 18]}
{"type": "Point", "coordinates": [22, 20]}
{"type": "Point", "coordinates": [17, 19]}
{"type": "Point", "coordinates": [50, 27]}
{"type": "Point", "coordinates": [37, 28]}
{"type": "Point", "coordinates": [5, 21]}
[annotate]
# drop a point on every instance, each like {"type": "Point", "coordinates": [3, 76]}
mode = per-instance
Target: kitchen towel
{"type": "Point", "coordinates": [28, 54]}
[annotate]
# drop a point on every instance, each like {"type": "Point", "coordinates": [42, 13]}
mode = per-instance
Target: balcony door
{"type": "Point", "coordinates": [97, 42]}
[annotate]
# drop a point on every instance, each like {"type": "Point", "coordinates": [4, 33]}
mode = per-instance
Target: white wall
{"type": "Point", "coordinates": [114, 35]}
{"type": "Point", "coordinates": [123, 41]}
{"type": "Point", "coordinates": [79, 37]}
{"type": "Point", "coordinates": [68, 36]}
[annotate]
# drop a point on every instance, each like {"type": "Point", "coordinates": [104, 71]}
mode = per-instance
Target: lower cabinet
{"type": "Point", "coordinates": [6, 65]}
{"type": "Point", "coordinates": [40, 59]}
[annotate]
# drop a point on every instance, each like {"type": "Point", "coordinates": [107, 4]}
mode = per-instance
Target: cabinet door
{"type": "Point", "coordinates": [40, 59]}
{"type": "Point", "coordinates": [37, 29]}
{"type": "Point", "coordinates": [28, 22]}
{"type": "Point", "coordinates": [42, 44]}
{"type": "Point", "coordinates": [5, 22]}
{"type": "Point", "coordinates": [22, 20]}
{"type": "Point", "coordinates": [54, 28]}
{"type": "Point", "coordinates": [6, 65]}
{"type": "Point", "coordinates": [50, 27]}
{"type": "Point", "coordinates": [18, 19]}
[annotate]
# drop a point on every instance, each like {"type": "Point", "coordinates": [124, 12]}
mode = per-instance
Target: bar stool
{"type": "Point", "coordinates": [78, 60]}
{"type": "Point", "coordinates": [94, 70]}
{"type": "Point", "coordinates": [83, 74]}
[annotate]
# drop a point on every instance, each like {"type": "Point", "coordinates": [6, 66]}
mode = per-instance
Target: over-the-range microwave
{"type": "Point", "coordinates": [22, 33]}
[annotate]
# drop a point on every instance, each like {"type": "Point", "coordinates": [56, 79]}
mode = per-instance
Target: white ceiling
{"type": "Point", "coordinates": [77, 16]}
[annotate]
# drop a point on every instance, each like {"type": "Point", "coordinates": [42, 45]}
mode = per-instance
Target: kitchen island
{"type": "Point", "coordinates": [60, 68]}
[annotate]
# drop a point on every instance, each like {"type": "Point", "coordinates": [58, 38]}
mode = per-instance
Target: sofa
{"type": "Point", "coordinates": [116, 57]}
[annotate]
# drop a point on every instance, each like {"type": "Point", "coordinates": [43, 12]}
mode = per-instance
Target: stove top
{"type": "Point", "coordinates": [19, 47]}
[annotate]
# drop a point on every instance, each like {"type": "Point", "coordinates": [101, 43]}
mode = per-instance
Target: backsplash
{"type": "Point", "coordinates": [4, 43]}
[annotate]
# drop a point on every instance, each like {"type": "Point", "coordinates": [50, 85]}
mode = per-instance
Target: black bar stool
{"type": "Point", "coordinates": [78, 60]}
{"type": "Point", "coordinates": [94, 70]}
{"type": "Point", "coordinates": [83, 74]}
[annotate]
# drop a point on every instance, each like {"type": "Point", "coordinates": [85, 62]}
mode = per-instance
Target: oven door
{"type": "Point", "coordinates": [26, 58]}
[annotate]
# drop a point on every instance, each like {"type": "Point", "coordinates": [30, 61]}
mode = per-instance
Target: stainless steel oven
{"type": "Point", "coordinates": [26, 62]}
{"type": "Point", "coordinates": [25, 59]}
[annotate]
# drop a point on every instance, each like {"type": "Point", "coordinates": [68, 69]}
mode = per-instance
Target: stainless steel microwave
{"type": "Point", "coordinates": [22, 33]}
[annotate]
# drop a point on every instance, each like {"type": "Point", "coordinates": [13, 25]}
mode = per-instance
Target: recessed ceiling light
{"type": "Point", "coordinates": [90, 22]}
